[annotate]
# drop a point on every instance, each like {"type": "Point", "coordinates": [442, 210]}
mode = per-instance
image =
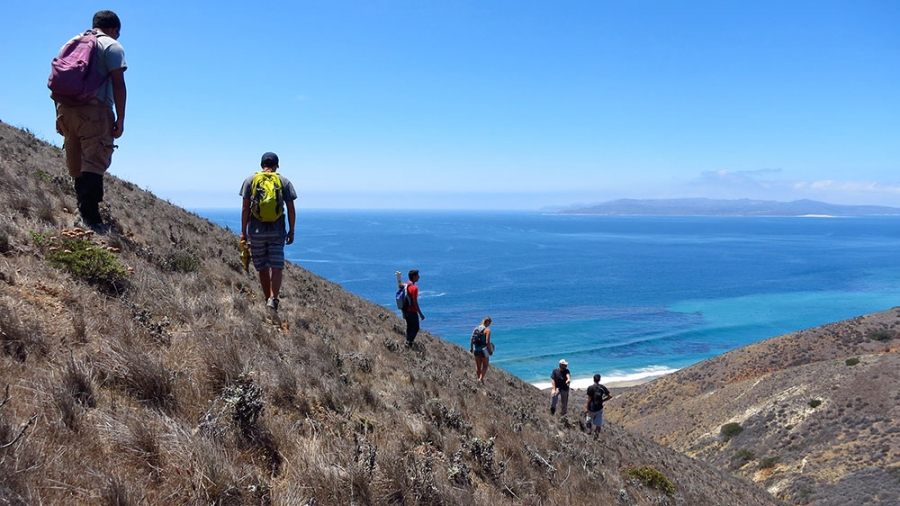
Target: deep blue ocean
{"type": "Point", "coordinates": [629, 297]}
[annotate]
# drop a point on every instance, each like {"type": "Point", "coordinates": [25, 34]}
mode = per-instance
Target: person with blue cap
{"type": "Point", "coordinates": [266, 195]}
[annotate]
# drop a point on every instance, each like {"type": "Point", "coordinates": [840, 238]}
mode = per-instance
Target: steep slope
{"type": "Point", "coordinates": [141, 369]}
{"type": "Point", "coordinates": [813, 415]}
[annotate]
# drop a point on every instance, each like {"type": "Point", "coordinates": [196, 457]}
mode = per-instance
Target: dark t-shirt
{"type": "Point", "coordinates": [558, 376]}
{"type": "Point", "coordinates": [597, 393]}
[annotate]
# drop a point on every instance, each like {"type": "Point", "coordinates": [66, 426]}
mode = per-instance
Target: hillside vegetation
{"type": "Point", "coordinates": [811, 416]}
{"type": "Point", "coordinates": [139, 368]}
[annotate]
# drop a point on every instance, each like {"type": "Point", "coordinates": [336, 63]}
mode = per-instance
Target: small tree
{"type": "Point", "coordinates": [729, 430]}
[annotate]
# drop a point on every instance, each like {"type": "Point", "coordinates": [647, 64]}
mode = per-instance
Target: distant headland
{"type": "Point", "coordinates": [723, 207]}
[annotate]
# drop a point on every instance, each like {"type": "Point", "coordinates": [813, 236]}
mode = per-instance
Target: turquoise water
{"type": "Point", "coordinates": [628, 297]}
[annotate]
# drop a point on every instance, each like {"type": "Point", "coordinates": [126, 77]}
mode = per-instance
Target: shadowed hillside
{"type": "Point", "coordinates": [812, 415]}
{"type": "Point", "coordinates": [138, 368]}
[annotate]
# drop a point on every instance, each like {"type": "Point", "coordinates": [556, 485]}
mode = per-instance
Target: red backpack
{"type": "Point", "coordinates": [73, 79]}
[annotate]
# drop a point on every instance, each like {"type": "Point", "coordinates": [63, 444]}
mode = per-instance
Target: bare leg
{"type": "Point", "coordinates": [266, 283]}
{"type": "Point", "coordinates": [276, 282]}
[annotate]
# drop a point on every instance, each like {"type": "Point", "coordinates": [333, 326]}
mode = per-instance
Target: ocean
{"type": "Point", "coordinates": [629, 297]}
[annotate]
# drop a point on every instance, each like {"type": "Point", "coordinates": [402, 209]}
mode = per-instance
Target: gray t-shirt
{"type": "Point", "coordinates": [288, 194]}
{"type": "Point", "coordinates": [112, 58]}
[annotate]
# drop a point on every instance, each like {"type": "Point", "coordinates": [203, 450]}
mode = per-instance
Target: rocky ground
{"type": "Point", "coordinates": [811, 416]}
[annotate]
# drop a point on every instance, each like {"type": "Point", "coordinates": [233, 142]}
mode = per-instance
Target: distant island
{"type": "Point", "coordinates": [722, 207]}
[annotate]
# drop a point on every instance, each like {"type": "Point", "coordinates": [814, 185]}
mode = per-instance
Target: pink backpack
{"type": "Point", "coordinates": [73, 79]}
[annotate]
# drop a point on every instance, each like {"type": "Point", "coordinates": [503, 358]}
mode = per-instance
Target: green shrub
{"type": "Point", "coordinates": [815, 403]}
{"type": "Point", "coordinates": [43, 175]}
{"type": "Point", "coordinates": [40, 239]}
{"type": "Point", "coordinates": [769, 462]}
{"type": "Point", "coordinates": [84, 260]}
{"type": "Point", "coordinates": [729, 430]}
{"type": "Point", "coordinates": [880, 335]}
{"type": "Point", "coordinates": [651, 477]}
{"type": "Point", "coordinates": [174, 261]}
{"type": "Point", "coordinates": [852, 361]}
{"type": "Point", "coordinates": [180, 261]}
{"type": "Point", "coordinates": [741, 457]}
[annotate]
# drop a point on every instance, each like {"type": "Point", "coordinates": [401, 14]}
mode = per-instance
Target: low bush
{"type": "Point", "coordinates": [178, 261]}
{"type": "Point", "coordinates": [245, 397]}
{"type": "Point", "coordinates": [651, 477]}
{"type": "Point", "coordinates": [852, 361]}
{"type": "Point", "coordinates": [19, 338]}
{"type": "Point", "coordinates": [769, 462]}
{"type": "Point", "coordinates": [741, 457]}
{"type": "Point", "coordinates": [880, 335]}
{"type": "Point", "coordinates": [86, 261]}
{"type": "Point", "coordinates": [729, 430]}
{"type": "Point", "coordinates": [815, 403]}
{"type": "Point", "coordinates": [149, 381]}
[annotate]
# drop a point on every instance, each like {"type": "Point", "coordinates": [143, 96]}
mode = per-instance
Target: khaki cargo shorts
{"type": "Point", "coordinates": [87, 130]}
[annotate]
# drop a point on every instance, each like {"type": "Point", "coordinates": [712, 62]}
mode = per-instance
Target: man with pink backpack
{"type": "Point", "coordinates": [87, 80]}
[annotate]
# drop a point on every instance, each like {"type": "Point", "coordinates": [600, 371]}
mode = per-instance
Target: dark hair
{"type": "Point", "coordinates": [596, 378]}
{"type": "Point", "coordinates": [414, 272]}
{"type": "Point", "coordinates": [106, 19]}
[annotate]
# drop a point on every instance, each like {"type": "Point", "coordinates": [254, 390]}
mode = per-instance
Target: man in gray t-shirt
{"type": "Point", "coordinates": [267, 238]}
{"type": "Point", "coordinates": [90, 129]}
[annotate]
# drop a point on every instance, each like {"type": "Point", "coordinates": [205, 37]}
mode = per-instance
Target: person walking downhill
{"type": "Point", "coordinates": [561, 379]}
{"type": "Point", "coordinates": [265, 197]}
{"type": "Point", "coordinates": [479, 346]}
{"type": "Point", "coordinates": [84, 103]}
{"type": "Point", "coordinates": [412, 313]}
{"type": "Point", "coordinates": [597, 394]}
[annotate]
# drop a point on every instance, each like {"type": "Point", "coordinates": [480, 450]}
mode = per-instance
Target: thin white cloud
{"type": "Point", "coordinates": [761, 184]}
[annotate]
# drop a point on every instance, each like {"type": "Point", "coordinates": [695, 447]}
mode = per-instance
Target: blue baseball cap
{"type": "Point", "coordinates": [269, 159]}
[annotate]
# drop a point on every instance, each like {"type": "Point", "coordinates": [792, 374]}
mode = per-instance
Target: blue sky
{"type": "Point", "coordinates": [490, 104]}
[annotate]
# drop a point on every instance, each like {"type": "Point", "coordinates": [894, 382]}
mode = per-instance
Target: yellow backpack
{"type": "Point", "coordinates": [266, 199]}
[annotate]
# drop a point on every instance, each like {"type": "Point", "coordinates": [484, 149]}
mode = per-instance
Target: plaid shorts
{"type": "Point", "coordinates": [267, 249]}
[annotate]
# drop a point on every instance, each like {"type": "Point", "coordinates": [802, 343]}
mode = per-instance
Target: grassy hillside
{"type": "Point", "coordinates": [139, 368]}
{"type": "Point", "coordinates": [812, 416]}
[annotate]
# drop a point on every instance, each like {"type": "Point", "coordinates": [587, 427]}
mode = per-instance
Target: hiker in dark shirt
{"type": "Point", "coordinates": [597, 394]}
{"type": "Point", "coordinates": [479, 346]}
{"type": "Point", "coordinates": [560, 378]}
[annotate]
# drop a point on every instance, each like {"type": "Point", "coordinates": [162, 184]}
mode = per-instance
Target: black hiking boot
{"type": "Point", "coordinates": [89, 192]}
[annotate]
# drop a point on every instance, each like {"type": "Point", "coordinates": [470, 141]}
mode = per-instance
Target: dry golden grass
{"type": "Point", "coordinates": [170, 387]}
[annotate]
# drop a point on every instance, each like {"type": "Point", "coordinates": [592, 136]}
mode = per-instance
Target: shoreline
{"type": "Point", "coordinates": [584, 383]}
{"type": "Point", "coordinates": [627, 384]}
{"type": "Point", "coordinates": [581, 386]}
